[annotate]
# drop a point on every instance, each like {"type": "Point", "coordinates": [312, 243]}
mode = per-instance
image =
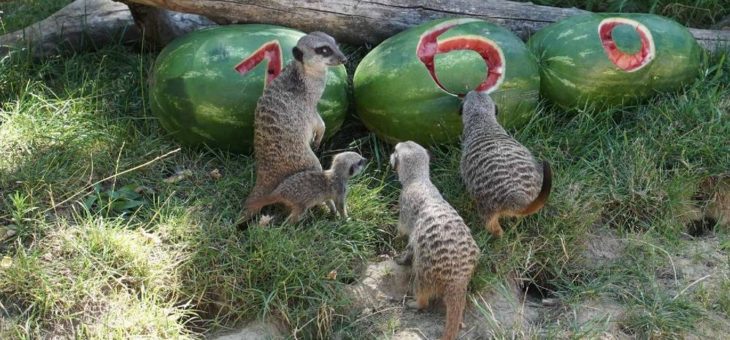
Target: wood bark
{"type": "Point", "coordinates": [370, 22]}
{"type": "Point", "coordinates": [81, 24]}
{"type": "Point", "coordinates": [85, 24]}
{"type": "Point", "coordinates": [160, 26]}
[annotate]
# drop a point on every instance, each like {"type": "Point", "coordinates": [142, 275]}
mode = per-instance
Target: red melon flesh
{"type": "Point", "coordinates": [625, 61]}
{"type": "Point", "coordinates": [429, 47]}
{"type": "Point", "coordinates": [270, 51]}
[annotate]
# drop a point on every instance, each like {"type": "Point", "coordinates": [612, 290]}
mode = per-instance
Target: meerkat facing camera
{"type": "Point", "coordinates": [440, 246]}
{"type": "Point", "coordinates": [500, 174]}
{"type": "Point", "coordinates": [306, 189]}
{"type": "Point", "coordinates": [286, 122]}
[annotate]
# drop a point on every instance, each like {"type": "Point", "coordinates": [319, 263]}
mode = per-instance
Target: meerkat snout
{"type": "Point", "coordinates": [349, 163]}
{"type": "Point", "coordinates": [318, 48]}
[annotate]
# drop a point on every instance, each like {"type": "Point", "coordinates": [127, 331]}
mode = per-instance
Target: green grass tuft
{"type": "Point", "coordinates": [138, 256]}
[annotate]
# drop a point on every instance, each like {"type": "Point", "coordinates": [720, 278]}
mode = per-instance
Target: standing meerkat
{"type": "Point", "coordinates": [306, 189]}
{"type": "Point", "coordinates": [500, 174]}
{"type": "Point", "coordinates": [440, 246]}
{"type": "Point", "coordinates": [286, 118]}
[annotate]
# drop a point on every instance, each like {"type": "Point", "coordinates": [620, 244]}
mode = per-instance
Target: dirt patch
{"type": "Point", "coordinates": [601, 247]}
{"type": "Point", "coordinates": [256, 330]}
{"type": "Point", "coordinates": [594, 318]}
{"type": "Point", "coordinates": [702, 271]}
{"type": "Point", "coordinates": [385, 287]}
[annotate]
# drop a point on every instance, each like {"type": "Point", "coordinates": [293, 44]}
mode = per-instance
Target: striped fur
{"type": "Point", "coordinates": [440, 246]}
{"type": "Point", "coordinates": [499, 173]}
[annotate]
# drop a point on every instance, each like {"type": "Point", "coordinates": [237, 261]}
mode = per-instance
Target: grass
{"type": "Point", "coordinates": [17, 14]}
{"type": "Point", "coordinates": [149, 257]}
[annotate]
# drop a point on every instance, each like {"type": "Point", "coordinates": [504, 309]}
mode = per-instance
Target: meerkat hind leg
{"type": "Point", "coordinates": [332, 207]}
{"type": "Point", "coordinates": [493, 225]}
{"type": "Point", "coordinates": [405, 258]}
{"type": "Point", "coordinates": [423, 296]}
{"type": "Point", "coordinates": [295, 215]}
{"type": "Point", "coordinates": [341, 207]}
{"type": "Point", "coordinates": [421, 302]}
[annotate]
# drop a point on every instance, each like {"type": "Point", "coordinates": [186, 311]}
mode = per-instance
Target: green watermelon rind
{"type": "Point", "coordinates": [576, 72]}
{"type": "Point", "coordinates": [200, 99]}
{"type": "Point", "coordinates": [419, 110]}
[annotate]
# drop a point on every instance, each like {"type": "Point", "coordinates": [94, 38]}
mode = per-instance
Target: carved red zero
{"type": "Point", "coordinates": [429, 47]}
{"type": "Point", "coordinates": [625, 61]}
{"type": "Point", "coordinates": [270, 51]}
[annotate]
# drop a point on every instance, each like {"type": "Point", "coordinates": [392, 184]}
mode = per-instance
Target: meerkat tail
{"type": "Point", "coordinates": [547, 183]}
{"type": "Point", "coordinates": [455, 301]}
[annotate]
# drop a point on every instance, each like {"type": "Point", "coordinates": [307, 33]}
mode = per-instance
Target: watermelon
{"type": "Point", "coordinates": [409, 86]}
{"type": "Point", "coordinates": [204, 85]}
{"type": "Point", "coordinates": [608, 59]}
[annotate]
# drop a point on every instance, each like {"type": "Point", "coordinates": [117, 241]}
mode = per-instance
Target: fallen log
{"type": "Point", "coordinates": [76, 26]}
{"type": "Point", "coordinates": [160, 26]}
{"type": "Point", "coordinates": [87, 24]}
{"type": "Point", "coordinates": [370, 22]}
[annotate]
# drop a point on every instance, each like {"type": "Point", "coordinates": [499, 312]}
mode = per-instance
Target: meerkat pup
{"type": "Point", "coordinates": [306, 189]}
{"type": "Point", "coordinates": [440, 246]}
{"type": "Point", "coordinates": [286, 118]}
{"type": "Point", "coordinates": [500, 174]}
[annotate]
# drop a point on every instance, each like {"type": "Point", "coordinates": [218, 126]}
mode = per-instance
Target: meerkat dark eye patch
{"type": "Point", "coordinates": [352, 169]}
{"type": "Point", "coordinates": [298, 54]}
{"type": "Point", "coordinates": [324, 51]}
{"type": "Point", "coordinates": [496, 110]}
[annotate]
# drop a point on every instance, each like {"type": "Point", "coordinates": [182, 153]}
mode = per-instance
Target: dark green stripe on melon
{"type": "Point", "coordinates": [609, 59]}
{"type": "Point", "coordinates": [200, 98]}
{"type": "Point", "coordinates": [408, 87]}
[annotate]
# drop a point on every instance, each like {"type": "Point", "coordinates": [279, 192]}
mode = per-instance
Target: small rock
{"type": "Point", "coordinates": [215, 174]}
{"type": "Point", "coordinates": [10, 233]}
{"type": "Point", "coordinates": [6, 262]}
{"type": "Point", "coordinates": [550, 302]}
{"type": "Point", "coordinates": [179, 176]}
{"type": "Point", "coordinates": [265, 220]}
{"type": "Point", "coordinates": [332, 275]}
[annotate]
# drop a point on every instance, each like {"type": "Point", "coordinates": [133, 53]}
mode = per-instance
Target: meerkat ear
{"type": "Point", "coordinates": [496, 110]}
{"type": "Point", "coordinates": [461, 109]}
{"type": "Point", "coordinates": [298, 54]}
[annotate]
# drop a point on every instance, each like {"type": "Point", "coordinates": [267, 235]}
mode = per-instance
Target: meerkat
{"type": "Point", "coordinates": [440, 248]}
{"type": "Point", "coordinates": [306, 189]}
{"type": "Point", "coordinates": [287, 124]}
{"type": "Point", "coordinates": [500, 174]}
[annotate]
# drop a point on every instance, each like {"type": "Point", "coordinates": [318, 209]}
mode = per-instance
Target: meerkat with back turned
{"type": "Point", "coordinates": [306, 189]}
{"type": "Point", "coordinates": [287, 122]}
{"type": "Point", "coordinates": [500, 174]}
{"type": "Point", "coordinates": [440, 248]}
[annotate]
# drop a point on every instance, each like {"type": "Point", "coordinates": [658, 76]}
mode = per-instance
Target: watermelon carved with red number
{"type": "Point", "coordinates": [408, 87]}
{"type": "Point", "coordinates": [271, 52]}
{"type": "Point", "coordinates": [204, 86]}
{"type": "Point", "coordinates": [609, 59]}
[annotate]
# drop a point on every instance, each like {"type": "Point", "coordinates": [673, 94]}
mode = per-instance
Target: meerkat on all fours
{"type": "Point", "coordinates": [500, 174]}
{"type": "Point", "coordinates": [306, 189]}
{"type": "Point", "coordinates": [440, 248]}
{"type": "Point", "coordinates": [286, 119]}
